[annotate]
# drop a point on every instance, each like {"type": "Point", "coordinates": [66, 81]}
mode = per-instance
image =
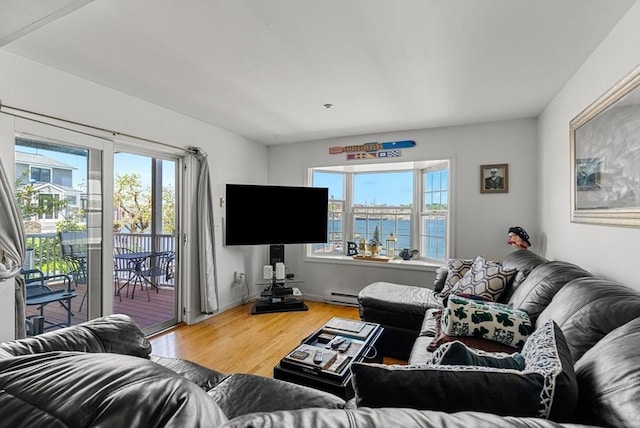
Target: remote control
{"type": "Point", "coordinates": [344, 346]}
{"type": "Point", "coordinates": [317, 358]}
{"type": "Point", "coordinates": [337, 342]}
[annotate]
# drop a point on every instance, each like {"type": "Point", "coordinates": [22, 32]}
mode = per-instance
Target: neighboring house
{"type": "Point", "coordinates": [52, 179]}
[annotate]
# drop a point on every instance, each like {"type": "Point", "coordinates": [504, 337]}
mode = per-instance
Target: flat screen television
{"type": "Point", "coordinates": [274, 215]}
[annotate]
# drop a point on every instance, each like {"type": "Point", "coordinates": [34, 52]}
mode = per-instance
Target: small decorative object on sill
{"type": "Point", "coordinates": [352, 248]}
{"type": "Point", "coordinates": [405, 254]}
{"type": "Point", "coordinates": [362, 245]}
{"type": "Point", "coordinates": [374, 243]}
{"type": "Point", "coordinates": [392, 242]}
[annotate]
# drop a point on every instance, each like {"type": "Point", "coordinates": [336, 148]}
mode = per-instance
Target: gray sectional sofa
{"type": "Point", "coordinates": [103, 372]}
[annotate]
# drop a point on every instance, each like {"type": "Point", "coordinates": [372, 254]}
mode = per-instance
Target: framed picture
{"type": "Point", "coordinates": [494, 178]}
{"type": "Point", "coordinates": [605, 157]}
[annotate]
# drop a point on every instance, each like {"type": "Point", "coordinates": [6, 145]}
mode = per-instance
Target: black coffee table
{"type": "Point", "coordinates": [366, 345]}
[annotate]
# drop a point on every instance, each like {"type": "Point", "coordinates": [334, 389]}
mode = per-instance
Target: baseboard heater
{"type": "Point", "coordinates": [340, 298]}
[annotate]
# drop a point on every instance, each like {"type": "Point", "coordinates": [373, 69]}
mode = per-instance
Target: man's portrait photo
{"type": "Point", "coordinates": [493, 178]}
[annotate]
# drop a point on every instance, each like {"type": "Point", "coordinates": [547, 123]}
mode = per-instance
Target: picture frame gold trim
{"type": "Point", "coordinates": [605, 157]}
{"type": "Point", "coordinates": [501, 182]}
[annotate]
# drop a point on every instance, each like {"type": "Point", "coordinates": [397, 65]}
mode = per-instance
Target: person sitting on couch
{"type": "Point", "coordinates": [518, 238]}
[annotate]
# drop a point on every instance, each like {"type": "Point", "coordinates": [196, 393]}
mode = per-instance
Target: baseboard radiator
{"type": "Point", "coordinates": [339, 298]}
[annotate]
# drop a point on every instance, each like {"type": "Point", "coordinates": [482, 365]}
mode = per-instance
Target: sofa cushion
{"type": "Point", "coordinates": [456, 269]}
{"type": "Point", "coordinates": [204, 377]}
{"type": "Point", "coordinates": [609, 379]}
{"type": "Point", "coordinates": [95, 389]}
{"type": "Point", "coordinates": [116, 333]}
{"type": "Point", "coordinates": [458, 354]}
{"type": "Point", "coordinates": [544, 388]}
{"type": "Point", "coordinates": [542, 284]}
{"type": "Point", "coordinates": [486, 279]}
{"type": "Point", "coordinates": [396, 305]}
{"type": "Point", "coordinates": [242, 393]}
{"type": "Point", "coordinates": [489, 320]}
{"type": "Point", "coordinates": [523, 261]}
{"type": "Point", "coordinates": [588, 308]}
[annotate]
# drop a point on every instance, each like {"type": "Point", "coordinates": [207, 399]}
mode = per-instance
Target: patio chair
{"type": "Point", "coordinates": [74, 252]}
{"type": "Point", "coordinates": [159, 267]}
{"type": "Point", "coordinates": [122, 269]}
{"type": "Point", "coordinates": [39, 293]}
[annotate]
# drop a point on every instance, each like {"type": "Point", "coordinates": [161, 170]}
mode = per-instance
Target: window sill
{"type": "Point", "coordinates": [393, 264]}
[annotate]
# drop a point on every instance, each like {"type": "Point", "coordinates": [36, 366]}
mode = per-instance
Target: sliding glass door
{"type": "Point", "coordinates": [64, 180]}
{"type": "Point", "coordinates": [62, 213]}
{"type": "Point", "coordinates": [145, 252]}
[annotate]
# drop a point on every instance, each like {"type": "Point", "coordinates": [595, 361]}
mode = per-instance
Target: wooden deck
{"type": "Point", "coordinates": [144, 312]}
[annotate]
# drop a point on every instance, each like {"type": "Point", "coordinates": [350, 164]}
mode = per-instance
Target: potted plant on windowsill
{"type": "Point", "coordinates": [374, 244]}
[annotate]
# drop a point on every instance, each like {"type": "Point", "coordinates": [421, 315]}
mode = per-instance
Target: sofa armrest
{"type": "Point", "coordinates": [117, 334]}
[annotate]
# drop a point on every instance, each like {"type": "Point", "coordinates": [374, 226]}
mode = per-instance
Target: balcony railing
{"type": "Point", "coordinates": [44, 251]}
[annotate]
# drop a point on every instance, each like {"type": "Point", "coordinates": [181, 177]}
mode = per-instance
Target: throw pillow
{"type": "Point", "coordinates": [486, 279]}
{"type": "Point", "coordinates": [548, 389]}
{"type": "Point", "coordinates": [488, 320]}
{"type": "Point", "coordinates": [472, 342]}
{"type": "Point", "coordinates": [457, 268]}
{"type": "Point", "coordinates": [458, 354]}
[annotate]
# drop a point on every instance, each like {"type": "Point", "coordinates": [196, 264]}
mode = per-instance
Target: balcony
{"type": "Point", "coordinates": [46, 256]}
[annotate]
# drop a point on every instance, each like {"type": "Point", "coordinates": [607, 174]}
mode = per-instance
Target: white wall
{"type": "Point", "coordinates": [481, 221]}
{"type": "Point", "coordinates": [610, 252]}
{"type": "Point", "coordinates": [35, 87]}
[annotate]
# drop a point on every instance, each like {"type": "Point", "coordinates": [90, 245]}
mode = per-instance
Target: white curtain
{"type": "Point", "coordinates": [203, 241]}
{"type": "Point", "coordinates": [12, 246]}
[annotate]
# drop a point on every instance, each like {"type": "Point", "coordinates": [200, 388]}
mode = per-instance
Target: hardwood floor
{"type": "Point", "coordinates": [236, 341]}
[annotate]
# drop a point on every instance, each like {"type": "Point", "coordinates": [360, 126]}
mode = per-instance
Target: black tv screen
{"type": "Point", "coordinates": [261, 214]}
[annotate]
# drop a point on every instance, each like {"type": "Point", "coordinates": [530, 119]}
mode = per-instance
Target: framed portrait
{"type": "Point", "coordinates": [605, 157]}
{"type": "Point", "coordinates": [494, 178]}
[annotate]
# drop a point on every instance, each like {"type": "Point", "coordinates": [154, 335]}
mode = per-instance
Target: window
{"type": "Point", "coordinates": [42, 175]}
{"type": "Point", "coordinates": [409, 200]}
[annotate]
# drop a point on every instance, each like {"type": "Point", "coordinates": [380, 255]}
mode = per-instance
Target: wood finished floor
{"type": "Point", "coordinates": [236, 341]}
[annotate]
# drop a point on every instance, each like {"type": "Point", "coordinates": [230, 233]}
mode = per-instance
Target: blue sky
{"type": "Point", "coordinates": [376, 188]}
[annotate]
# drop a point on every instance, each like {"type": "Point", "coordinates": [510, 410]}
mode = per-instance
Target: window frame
{"type": "Point", "coordinates": [417, 214]}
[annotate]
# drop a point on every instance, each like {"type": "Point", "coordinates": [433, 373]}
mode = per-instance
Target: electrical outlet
{"type": "Point", "coordinates": [238, 277]}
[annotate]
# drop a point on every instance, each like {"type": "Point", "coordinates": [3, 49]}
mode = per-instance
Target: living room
{"type": "Point", "coordinates": [536, 149]}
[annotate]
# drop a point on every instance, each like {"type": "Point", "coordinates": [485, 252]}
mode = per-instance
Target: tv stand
{"type": "Point", "coordinates": [278, 297]}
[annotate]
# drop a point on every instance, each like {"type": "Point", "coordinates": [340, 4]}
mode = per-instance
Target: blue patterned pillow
{"type": "Point", "coordinates": [488, 320]}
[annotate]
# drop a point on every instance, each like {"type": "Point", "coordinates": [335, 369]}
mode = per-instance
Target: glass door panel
{"type": "Point", "coordinates": [145, 256]}
{"type": "Point", "coordinates": [51, 182]}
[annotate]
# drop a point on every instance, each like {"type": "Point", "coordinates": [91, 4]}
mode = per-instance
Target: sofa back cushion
{"type": "Point", "coordinates": [542, 283]}
{"type": "Point", "coordinates": [588, 308]}
{"type": "Point", "coordinates": [116, 333]}
{"type": "Point", "coordinates": [523, 261]}
{"type": "Point", "coordinates": [95, 389]}
{"type": "Point", "coordinates": [609, 379]}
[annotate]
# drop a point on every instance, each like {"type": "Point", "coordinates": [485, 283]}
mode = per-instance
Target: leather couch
{"type": "Point", "coordinates": [598, 318]}
{"type": "Point", "coordinates": [103, 373]}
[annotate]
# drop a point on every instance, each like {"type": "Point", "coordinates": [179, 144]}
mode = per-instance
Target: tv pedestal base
{"type": "Point", "coordinates": [279, 298]}
{"type": "Point", "coordinates": [286, 305]}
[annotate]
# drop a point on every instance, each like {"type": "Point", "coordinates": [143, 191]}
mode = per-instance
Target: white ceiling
{"type": "Point", "coordinates": [265, 68]}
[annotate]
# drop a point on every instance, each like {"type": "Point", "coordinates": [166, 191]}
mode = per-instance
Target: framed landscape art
{"type": "Point", "coordinates": [605, 157]}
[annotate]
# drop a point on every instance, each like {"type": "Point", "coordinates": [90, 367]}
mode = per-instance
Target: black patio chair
{"type": "Point", "coordinates": [40, 293]}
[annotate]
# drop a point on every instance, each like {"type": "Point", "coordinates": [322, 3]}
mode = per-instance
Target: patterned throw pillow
{"type": "Point", "coordinates": [457, 269]}
{"type": "Point", "coordinates": [546, 388]}
{"type": "Point", "coordinates": [486, 279]}
{"type": "Point", "coordinates": [458, 354]}
{"type": "Point", "coordinates": [488, 320]}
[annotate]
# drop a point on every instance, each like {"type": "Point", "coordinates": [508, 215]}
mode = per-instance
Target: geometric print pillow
{"type": "Point", "coordinates": [486, 279]}
{"type": "Point", "coordinates": [457, 269]}
{"type": "Point", "coordinates": [488, 320]}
